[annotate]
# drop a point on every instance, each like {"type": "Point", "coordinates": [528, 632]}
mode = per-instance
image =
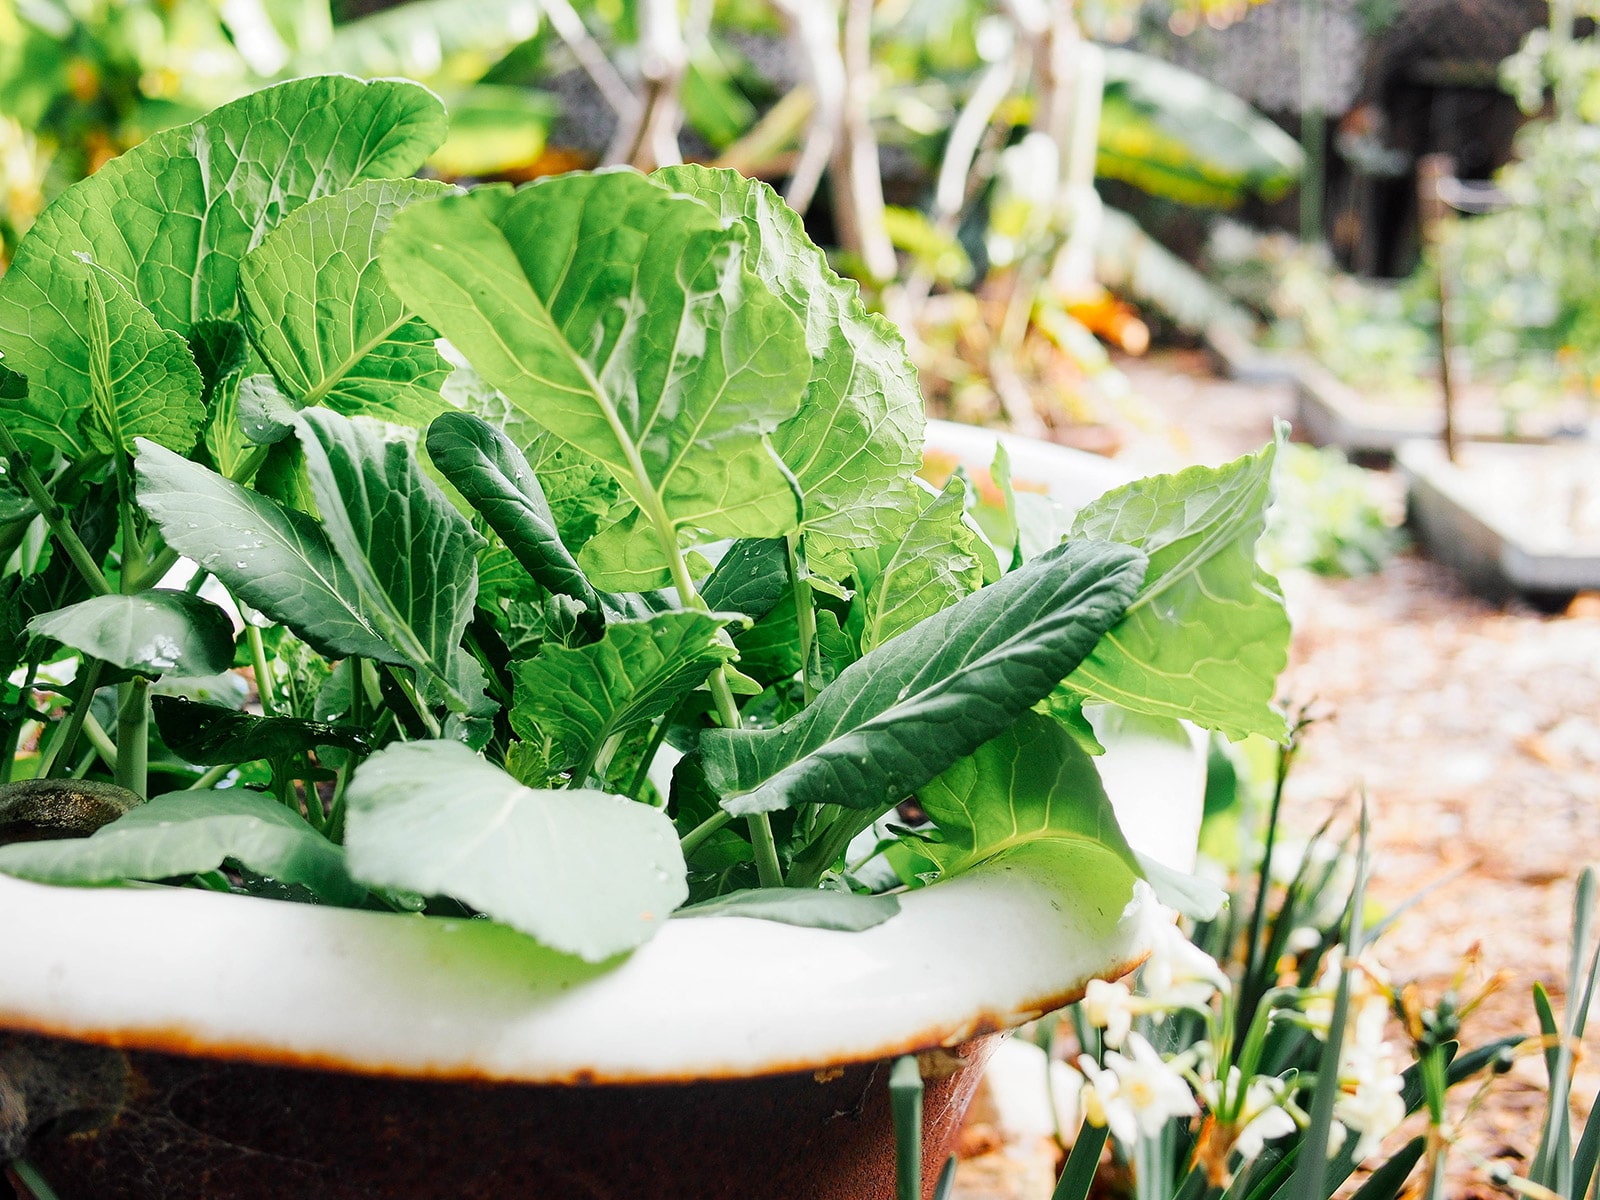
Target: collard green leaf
{"type": "Point", "coordinates": [413, 556]}
{"type": "Point", "coordinates": [1207, 635]}
{"type": "Point", "coordinates": [752, 578]}
{"type": "Point", "coordinates": [276, 560]}
{"type": "Point", "coordinates": [930, 568]}
{"type": "Point", "coordinates": [143, 381]}
{"type": "Point", "coordinates": [186, 833]}
{"type": "Point", "coordinates": [153, 632]}
{"type": "Point", "coordinates": [222, 352]}
{"type": "Point", "coordinates": [170, 220]}
{"type": "Point", "coordinates": [809, 907]}
{"type": "Point", "coordinates": [654, 350]}
{"type": "Point", "coordinates": [582, 871]}
{"type": "Point", "coordinates": [581, 696]}
{"type": "Point", "coordinates": [910, 708]}
{"type": "Point", "coordinates": [492, 475]}
{"type": "Point", "coordinates": [857, 439]}
{"type": "Point", "coordinates": [209, 734]}
{"type": "Point", "coordinates": [326, 322]}
{"type": "Point", "coordinates": [1033, 783]}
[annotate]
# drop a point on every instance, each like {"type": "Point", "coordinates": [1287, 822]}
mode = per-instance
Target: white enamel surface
{"type": "Point", "coordinates": [1073, 477]}
{"type": "Point", "coordinates": [188, 970]}
{"type": "Point", "coordinates": [713, 997]}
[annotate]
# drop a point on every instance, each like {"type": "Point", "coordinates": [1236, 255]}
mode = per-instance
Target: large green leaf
{"type": "Point", "coordinates": [325, 321]}
{"type": "Point", "coordinates": [413, 556]}
{"type": "Point", "coordinates": [582, 871]}
{"type": "Point", "coordinates": [170, 220]}
{"type": "Point", "coordinates": [584, 695]}
{"type": "Point", "coordinates": [274, 559]}
{"type": "Point", "coordinates": [857, 439]}
{"type": "Point", "coordinates": [492, 475]}
{"type": "Point", "coordinates": [1207, 635]}
{"type": "Point", "coordinates": [620, 317]}
{"type": "Point", "coordinates": [153, 632]}
{"type": "Point", "coordinates": [1033, 783]}
{"type": "Point", "coordinates": [931, 566]}
{"type": "Point", "coordinates": [903, 713]}
{"type": "Point", "coordinates": [210, 733]}
{"type": "Point", "coordinates": [186, 833]}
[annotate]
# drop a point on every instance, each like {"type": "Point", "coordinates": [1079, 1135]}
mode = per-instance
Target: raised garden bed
{"type": "Point", "coordinates": [1512, 519]}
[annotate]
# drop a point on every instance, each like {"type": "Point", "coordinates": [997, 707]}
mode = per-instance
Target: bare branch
{"type": "Point", "coordinates": [570, 28]}
{"type": "Point", "coordinates": [814, 25]}
{"type": "Point", "coordinates": [857, 173]}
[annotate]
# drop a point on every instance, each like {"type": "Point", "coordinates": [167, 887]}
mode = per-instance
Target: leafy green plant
{"type": "Point", "coordinates": [570, 540]}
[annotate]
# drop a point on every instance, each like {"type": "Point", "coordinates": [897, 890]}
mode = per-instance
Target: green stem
{"type": "Point", "coordinates": [597, 761]}
{"type": "Point", "coordinates": [62, 751]}
{"type": "Point", "coordinates": [334, 829]}
{"type": "Point", "coordinates": [133, 735]}
{"type": "Point", "coordinates": [212, 776]}
{"type": "Point", "coordinates": [691, 841]}
{"type": "Point", "coordinates": [652, 748]}
{"type": "Point", "coordinates": [84, 763]}
{"type": "Point", "coordinates": [28, 1176]}
{"type": "Point", "coordinates": [197, 581]}
{"type": "Point", "coordinates": [805, 613]}
{"type": "Point", "coordinates": [409, 690]}
{"type": "Point", "coordinates": [245, 469]}
{"type": "Point", "coordinates": [101, 741]}
{"type": "Point", "coordinates": [809, 867]}
{"type": "Point", "coordinates": [133, 562]}
{"type": "Point", "coordinates": [13, 728]}
{"type": "Point", "coordinates": [54, 515]}
{"type": "Point", "coordinates": [258, 662]}
{"type": "Point", "coordinates": [156, 568]}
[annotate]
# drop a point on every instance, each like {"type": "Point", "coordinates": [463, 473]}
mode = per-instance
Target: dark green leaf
{"type": "Point", "coordinates": [912, 707]}
{"type": "Point", "coordinates": [209, 734]}
{"type": "Point", "coordinates": [752, 578]}
{"type": "Point", "coordinates": [808, 907]}
{"type": "Point", "coordinates": [153, 632]}
{"type": "Point", "coordinates": [186, 833]}
{"type": "Point", "coordinates": [582, 871]}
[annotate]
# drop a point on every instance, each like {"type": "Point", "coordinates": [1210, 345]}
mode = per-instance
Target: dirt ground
{"type": "Point", "coordinates": [1474, 731]}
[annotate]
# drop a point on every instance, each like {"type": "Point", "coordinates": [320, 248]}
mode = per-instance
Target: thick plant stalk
{"type": "Point", "coordinates": [650, 139]}
{"type": "Point", "coordinates": [814, 25]}
{"type": "Point", "coordinates": [857, 174]}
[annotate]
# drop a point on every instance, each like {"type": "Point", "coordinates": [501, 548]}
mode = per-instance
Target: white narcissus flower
{"type": "Point", "coordinates": [1261, 1115]}
{"type": "Point", "coordinates": [1179, 974]}
{"type": "Point", "coordinates": [1370, 1101]}
{"type": "Point", "coordinates": [1135, 1093]}
{"type": "Point", "coordinates": [1370, 991]}
{"type": "Point", "coordinates": [1109, 1006]}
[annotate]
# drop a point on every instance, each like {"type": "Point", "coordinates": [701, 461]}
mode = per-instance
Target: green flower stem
{"type": "Point", "coordinates": [805, 613]}
{"type": "Point", "coordinates": [692, 841]}
{"type": "Point", "coordinates": [28, 1176]}
{"type": "Point", "coordinates": [54, 515]}
{"type": "Point", "coordinates": [133, 735]}
{"type": "Point", "coordinates": [258, 662]}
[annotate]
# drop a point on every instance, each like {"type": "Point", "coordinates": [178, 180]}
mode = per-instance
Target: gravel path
{"type": "Point", "coordinates": [1474, 731]}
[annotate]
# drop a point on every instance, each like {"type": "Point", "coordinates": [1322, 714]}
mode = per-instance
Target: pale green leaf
{"type": "Point", "coordinates": [929, 568]}
{"type": "Point", "coordinates": [325, 321]}
{"type": "Point", "coordinates": [413, 556]}
{"type": "Point", "coordinates": [154, 632]}
{"type": "Point", "coordinates": [276, 560]}
{"type": "Point", "coordinates": [857, 439]}
{"type": "Point", "coordinates": [1033, 783]}
{"type": "Point", "coordinates": [620, 317]}
{"type": "Point", "coordinates": [170, 220]}
{"type": "Point", "coordinates": [584, 695]}
{"type": "Point", "coordinates": [582, 871]}
{"type": "Point", "coordinates": [906, 711]}
{"type": "Point", "coordinates": [186, 833]}
{"type": "Point", "coordinates": [1207, 635]}
{"type": "Point", "coordinates": [222, 352]}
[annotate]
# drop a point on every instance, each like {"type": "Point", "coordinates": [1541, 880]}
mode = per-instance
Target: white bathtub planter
{"type": "Point", "coordinates": [471, 722]}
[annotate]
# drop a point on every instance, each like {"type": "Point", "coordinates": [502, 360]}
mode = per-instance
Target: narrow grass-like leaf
{"type": "Point", "coordinates": [324, 319]}
{"type": "Point", "coordinates": [187, 833]}
{"type": "Point", "coordinates": [1587, 1156]}
{"type": "Point", "coordinates": [583, 872]}
{"type": "Point", "coordinates": [153, 632]}
{"type": "Point", "coordinates": [1387, 1182]}
{"type": "Point", "coordinates": [1207, 635]}
{"type": "Point", "coordinates": [812, 908]}
{"type": "Point", "coordinates": [1077, 1177]}
{"type": "Point", "coordinates": [905, 1102]}
{"type": "Point", "coordinates": [903, 713]}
